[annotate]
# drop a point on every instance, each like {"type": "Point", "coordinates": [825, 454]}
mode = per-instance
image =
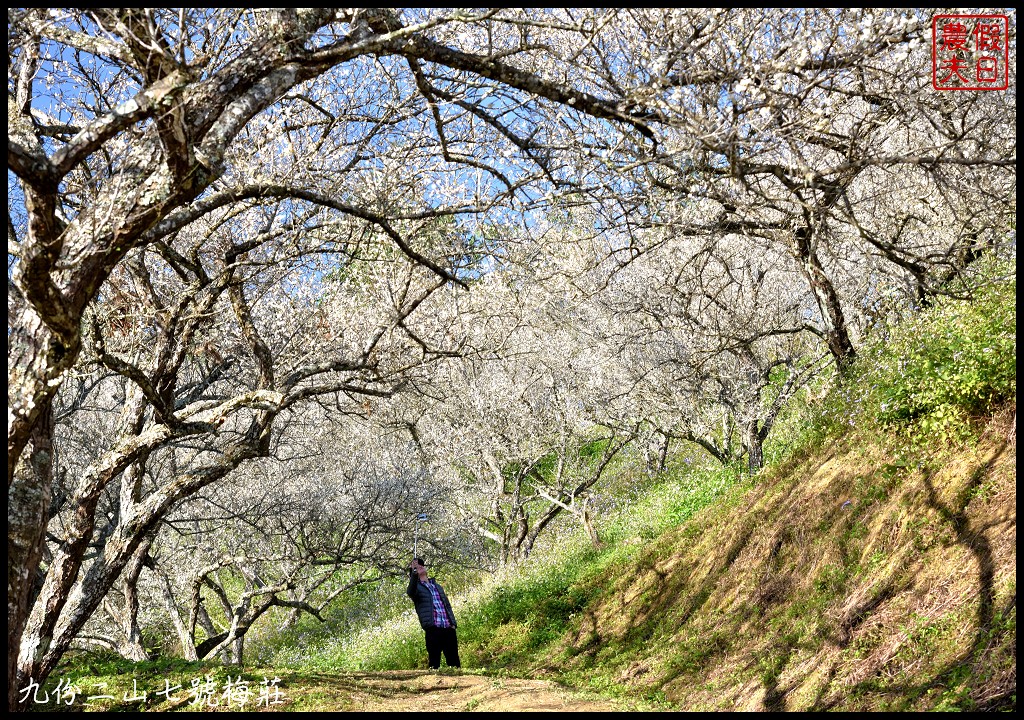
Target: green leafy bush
{"type": "Point", "coordinates": [931, 373]}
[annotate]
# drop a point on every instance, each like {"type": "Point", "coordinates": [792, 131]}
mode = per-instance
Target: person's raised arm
{"type": "Point", "coordinates": [413, 579]}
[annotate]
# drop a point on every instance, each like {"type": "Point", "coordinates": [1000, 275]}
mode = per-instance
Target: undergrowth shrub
{"type": "Point", "coordinates": [927, 376]}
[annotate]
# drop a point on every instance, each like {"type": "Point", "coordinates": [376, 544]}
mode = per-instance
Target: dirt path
{"type": "Point", "coordinates": [419, 690]}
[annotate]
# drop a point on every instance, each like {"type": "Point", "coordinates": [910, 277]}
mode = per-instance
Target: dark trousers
{"type": "Point", "coordinates": [442, 640]}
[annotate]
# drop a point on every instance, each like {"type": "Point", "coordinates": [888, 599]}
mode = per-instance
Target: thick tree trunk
{"type": "Point", "coordinates": [28, 500]}
{"type": "Point", "coordinates": [237, 650]}
{"type": "Point", "coordinates": [67, 601]}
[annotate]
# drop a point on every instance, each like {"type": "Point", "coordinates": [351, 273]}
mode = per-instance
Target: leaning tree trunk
{"type": "Point", "coordinates": [67, 601]}
{"type": "Point", "coordinates": [133, 648]}
{"type": "Point", "coordinates": [181, 628]}
{"type": "Point", "coordinates": [837, 335]}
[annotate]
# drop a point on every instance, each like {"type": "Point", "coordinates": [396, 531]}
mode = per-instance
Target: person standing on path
{"type": "Point", "coordinates": [435, 615]}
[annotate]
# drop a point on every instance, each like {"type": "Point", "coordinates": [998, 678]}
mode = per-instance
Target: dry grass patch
{"type": "Point", "coordinates": [871, 579]}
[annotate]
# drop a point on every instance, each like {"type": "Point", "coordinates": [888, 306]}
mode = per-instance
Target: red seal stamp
{"type": "Point", "coordinates": [970, 52]}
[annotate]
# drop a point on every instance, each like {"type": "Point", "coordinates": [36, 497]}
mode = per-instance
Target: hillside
{"type": "Point", "coordinates": [860, 577]}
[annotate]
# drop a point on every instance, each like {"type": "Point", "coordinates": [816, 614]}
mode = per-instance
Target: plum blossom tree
{"type": "Point", "coordinates": [332, 514]}
{"type": "Point", "coordinates": [195, 148]}
{"type": "Point", "coordinates": [815, 132]}
{"type": "Point", "coordinates": [713, 341]}
{"type": "Point", "coordinates": [527, 414]}
{"type": "Point", "coordinates": [220, 219]}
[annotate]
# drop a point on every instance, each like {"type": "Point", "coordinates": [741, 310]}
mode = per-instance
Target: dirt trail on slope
{"type": "Point", "coordinates": [420, 690]}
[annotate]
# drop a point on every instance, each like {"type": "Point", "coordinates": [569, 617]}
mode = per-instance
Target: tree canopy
{"type": "Point", "coordinates": [273, 268]}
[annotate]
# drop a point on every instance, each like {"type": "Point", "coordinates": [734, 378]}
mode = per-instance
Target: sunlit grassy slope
{"type": "Point", "coordinates": [874, 569]}
{"type": "Point", "coordinates": [857, 578]}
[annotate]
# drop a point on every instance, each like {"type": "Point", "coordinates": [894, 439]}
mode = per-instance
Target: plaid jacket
{"type": "Point", "coordinates": [420, 595]}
